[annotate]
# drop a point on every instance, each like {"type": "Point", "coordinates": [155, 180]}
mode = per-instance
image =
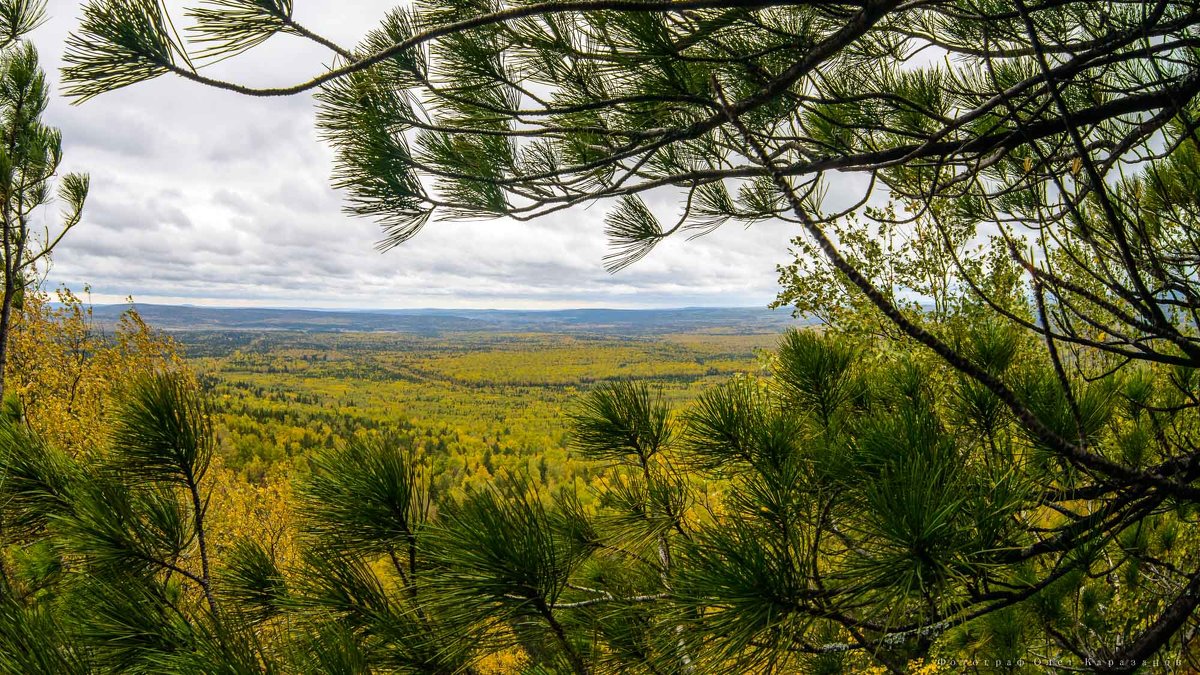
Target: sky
{"type": "Point", "coordinates": [206, 197]}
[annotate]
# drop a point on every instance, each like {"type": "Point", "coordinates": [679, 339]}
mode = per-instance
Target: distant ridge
{"type": "Point", "coordinates": [180, 318]}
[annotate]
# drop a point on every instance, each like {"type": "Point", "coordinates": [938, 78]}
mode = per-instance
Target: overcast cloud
{"type": "Point", "coordinates": [206, 197]}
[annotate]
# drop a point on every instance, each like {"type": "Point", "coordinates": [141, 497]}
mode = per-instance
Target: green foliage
{"type": "Point", "coordinates": [126, 530]}
{"type": "Point", "coordinates": [254, 581]}
{"type": "Point", "coordinates": [19, 18]}
{"type": "Point", "coordinates": [632, 231]}
{"type": "Point", "coordinates": [37, 481]}
{"type": "Point", "coordinates": [30, 159]}
{"type": "Point", "coordinates": [119, 43]}
{"type": "Point", "coordinates": [370, 496]}
{"type": "Point", "coordinates": [831, 486]}
{"type": "Point", "coordinates": [502, 552]}
{"type": "Point", "coordinates": [621, 418]}
{"type": "Point", "coordinates": [357, 116]}
{"type": "Point", "coordinates": [163, 431]}
{"type": "Point", "coordinates": [988, 449]}
{"type": "Point", "coordinates": [815, 374]}
{"type": "Point", "coordinates": [230, 27]}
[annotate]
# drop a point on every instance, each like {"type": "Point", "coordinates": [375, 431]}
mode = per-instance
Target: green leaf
{"type": "Point", "coordinates": [252, 579]}
{"type": "Point", "coordinates": [632, 232]}
{"type": "Point", "coordinates": [118, 43]}
{"type": "Point", "coordinates": [371, 496]}
{"type": "Point", "coordinates": [36, 481]}
{"type": "Point", "coordinates": [815, 373]}
{"type": "Point", "coordinates": [229, 27]}
{"type": "Point", "coordinates": [121, 529]}
{"type": "Point", "coordinates": [499, 554]}
{"type": "Point", "coordinates": [363, 116]}
{"type": "Point", "coordinates": [163, 430]}
{"type": "Point", "coordinates": [19, 18]}
{"type": "Point", "coordinates": [621, 421]}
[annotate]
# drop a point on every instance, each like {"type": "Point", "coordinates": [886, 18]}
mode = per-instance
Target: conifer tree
{"type": "Point", "coordinates": [839, 514]}
{"type": "Point", "coordinates": [30, 154]}
{"type": "Point", "coordinates": [993, 446]}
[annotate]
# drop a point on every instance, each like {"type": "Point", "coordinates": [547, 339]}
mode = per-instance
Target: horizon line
{"type": "Point", "coordinates": [293, 308]}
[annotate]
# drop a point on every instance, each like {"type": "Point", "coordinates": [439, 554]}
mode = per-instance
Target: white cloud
{"type": "Point", "coordinates": [208, 197]}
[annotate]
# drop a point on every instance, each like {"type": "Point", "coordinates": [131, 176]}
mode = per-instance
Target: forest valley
{"type": "Point", "coordinates": [977, 449]}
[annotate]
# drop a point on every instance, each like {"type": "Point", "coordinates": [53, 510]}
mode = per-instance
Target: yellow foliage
{"type": "Point", "coordinates": [259, 512]}
{"type": "Point", "coordinates": [512, 660]}
{"type": "Point", "coordinates": [64, 371]}
{"type": "Point", "coordinates": [62, 368]}
{"type": "Point", "coordinates": [474, 403]}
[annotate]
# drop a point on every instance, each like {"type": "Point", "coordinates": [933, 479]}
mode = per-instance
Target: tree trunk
{"type": "Point", "coordinates": [6, 307]}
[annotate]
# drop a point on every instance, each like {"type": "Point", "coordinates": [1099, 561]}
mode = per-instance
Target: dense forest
{"type": "Point", "coordinates": [978, 449]}
{"type": "Point", "coordinates": [483, 401]}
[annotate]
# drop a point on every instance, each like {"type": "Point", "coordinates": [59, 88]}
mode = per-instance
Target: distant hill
{"type": "Point", "coordinates": [178, 318]}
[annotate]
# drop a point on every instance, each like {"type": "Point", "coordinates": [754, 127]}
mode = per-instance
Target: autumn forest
{"type": "Point", "coordinates": [960, 433]}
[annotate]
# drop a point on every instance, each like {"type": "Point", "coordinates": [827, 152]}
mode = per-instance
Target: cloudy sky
{"type": "Point", "coordinates": [205, 197]}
